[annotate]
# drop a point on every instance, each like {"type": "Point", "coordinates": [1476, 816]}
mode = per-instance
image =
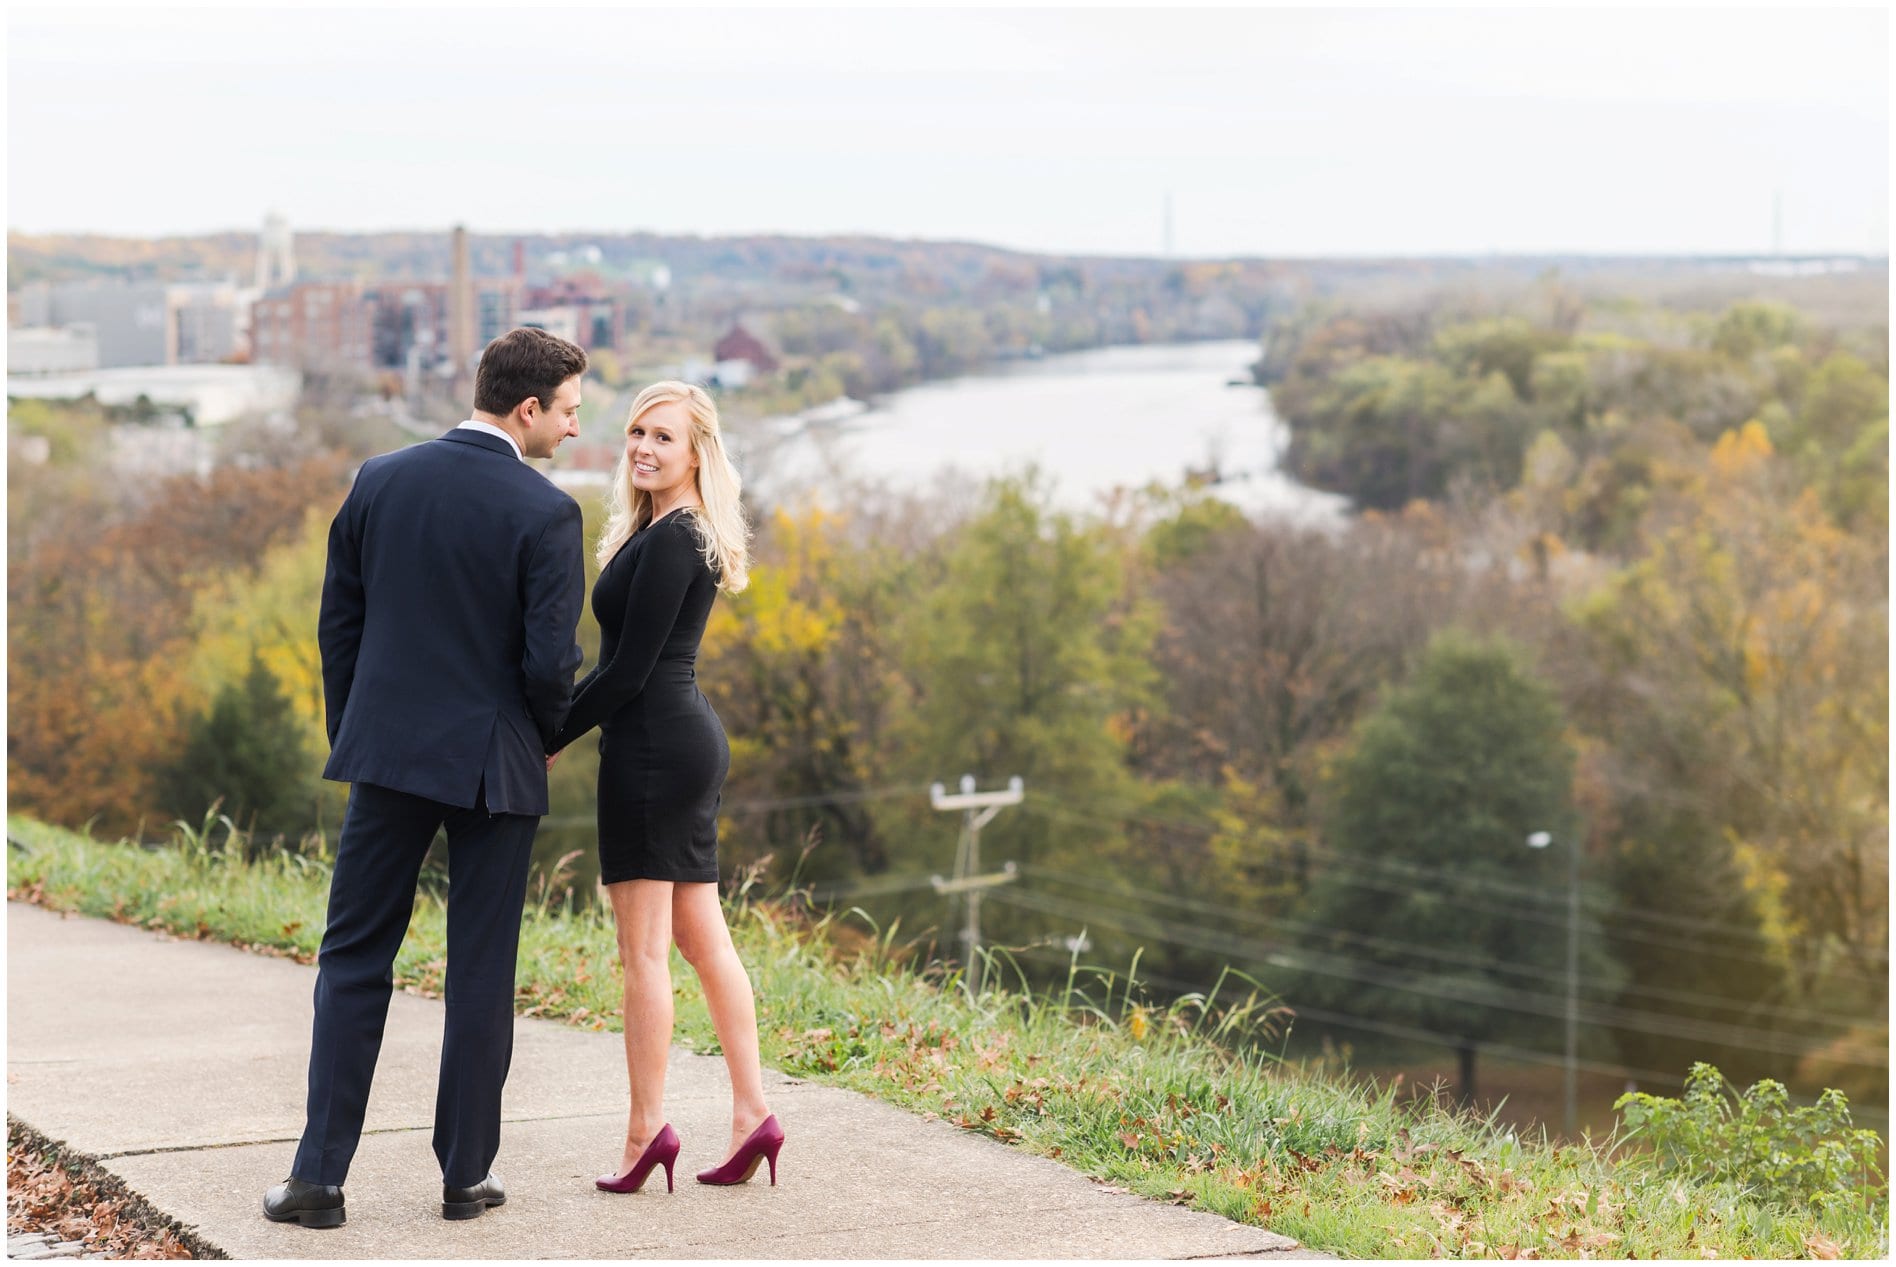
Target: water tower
{"type": "Point", "coordinates": [276, 254]}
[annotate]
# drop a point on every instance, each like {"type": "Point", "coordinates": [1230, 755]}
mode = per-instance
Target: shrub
{"type": "Point", "coordinates": [1809, 1155]}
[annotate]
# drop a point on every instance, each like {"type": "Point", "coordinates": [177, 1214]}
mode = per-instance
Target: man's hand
{"type": "Point", "coordinates": [550, 760]}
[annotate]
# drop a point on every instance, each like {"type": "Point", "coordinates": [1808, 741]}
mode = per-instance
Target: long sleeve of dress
{"type": "Point", "coordinates": [663, 573]}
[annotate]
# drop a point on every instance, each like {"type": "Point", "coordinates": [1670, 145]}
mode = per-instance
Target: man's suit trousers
{"type": "Point", "coordinates": [385, 836]}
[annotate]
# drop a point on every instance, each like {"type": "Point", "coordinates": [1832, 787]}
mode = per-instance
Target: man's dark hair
{"type": "Point", "coordinates": [522, 363]}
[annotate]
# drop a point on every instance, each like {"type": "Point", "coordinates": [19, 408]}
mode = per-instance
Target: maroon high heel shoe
{"type": "Point", "coordinates": [662, 1151]}
{"type": "Point", "coordinates": [760, 1145]}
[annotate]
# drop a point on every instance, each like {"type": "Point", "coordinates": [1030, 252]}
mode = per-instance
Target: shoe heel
{"type": "Point", "coordinates": [771, 1156]}
{"type": "Point", "coordinates": [322, 1218]}
{"type": "Point", "coordinates": [668, 1175]}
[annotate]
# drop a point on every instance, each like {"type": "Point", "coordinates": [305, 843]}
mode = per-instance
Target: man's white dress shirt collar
{"type": "Point", "coordinates": [474, 424]}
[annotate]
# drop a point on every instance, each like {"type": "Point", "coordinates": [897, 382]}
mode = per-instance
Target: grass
{"type": "Point", "coordinates": [1170, 1102]}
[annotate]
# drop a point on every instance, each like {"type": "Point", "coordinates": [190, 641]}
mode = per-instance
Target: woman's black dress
{"type": "Point", "coordinates": [662, 753]}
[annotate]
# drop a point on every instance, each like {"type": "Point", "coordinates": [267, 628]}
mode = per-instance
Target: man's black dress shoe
{"type": "Point", "coordinates": [470, 1203]}
{"type": "Point", "coordinates": [311, 1204]}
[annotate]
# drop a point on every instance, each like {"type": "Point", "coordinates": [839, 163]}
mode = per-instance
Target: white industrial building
{"type": "Point", "coordinates": [204, 395]}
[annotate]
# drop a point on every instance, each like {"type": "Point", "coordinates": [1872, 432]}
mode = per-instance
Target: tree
{"type": "Point", "coordinates": [1839, 439]}
{"type": "Point", "coordinates": [247, 751]}
{"type": "Point", "coordinates": [103, 582]}
{"type": "Point", "coordinates": [1508, 346]}
{"type": "Point", "coordinates": [1276, 637]}
{"type": "Point", "coordinates": [796, 667]}
{"type": "Point", "coordinates": [1450, 774]}
{"type": "Point", "coordinates": [1747, 651]}
{"type": "Point", "coordinates": [1746, 330]}
{"type": "Point", "coordinates": [268, 617]}
{"type": "Point", "coordinates": [1388, 430]}
{"type": "Point", "coordinates": [1029, 656]}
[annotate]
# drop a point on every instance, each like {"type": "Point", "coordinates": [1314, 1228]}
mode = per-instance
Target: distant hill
{"type": "Point", "coordinates": [770, 269]}
{"type": "Point", "coordinates": [836, 260]}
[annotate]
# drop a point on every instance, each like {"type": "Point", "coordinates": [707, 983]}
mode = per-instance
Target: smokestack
{"type": "Point", "coordinates": [461, 307]}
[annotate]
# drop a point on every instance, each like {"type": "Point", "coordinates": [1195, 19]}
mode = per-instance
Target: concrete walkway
{"type": "Point", "coordinates": [180, 1067]}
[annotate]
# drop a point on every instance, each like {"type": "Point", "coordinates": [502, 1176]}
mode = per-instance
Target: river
{"type": "Point", "coordinates": [1092, 421]}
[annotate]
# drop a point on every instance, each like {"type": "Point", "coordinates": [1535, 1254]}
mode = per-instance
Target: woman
{"type": "Point", "coordinates": [676, 535]}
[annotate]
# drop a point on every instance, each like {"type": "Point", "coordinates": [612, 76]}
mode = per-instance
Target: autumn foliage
{"type": "Point", "coordinates": [1676, 520]}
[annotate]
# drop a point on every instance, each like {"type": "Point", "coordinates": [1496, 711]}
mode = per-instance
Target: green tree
{"type": "Point", "coordinates": [1452, 772]}
{"type": "Point", "coordinates": [1507, 346]}
{"type": "Point", "coordinates": [1029, 656]}
{"type": "Point", "coordinates": [1744, 330]}
{"type": "Point", "coordinates": [247, 750]}
{"type": "Point", "coordinates": [794, 666]}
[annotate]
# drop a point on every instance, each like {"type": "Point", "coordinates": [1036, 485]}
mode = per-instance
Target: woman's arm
{"type": "Point", "coordinates": [664, 571]}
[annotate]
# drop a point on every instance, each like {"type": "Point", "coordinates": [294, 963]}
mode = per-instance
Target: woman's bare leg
{"type": "Point", "coordinates": [643, 911]}
{"type": "Point", "coordinates": [697, 919]}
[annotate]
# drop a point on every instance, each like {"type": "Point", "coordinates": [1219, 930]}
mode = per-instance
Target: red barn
{"type": "Point", "coordinates": [740, 344]}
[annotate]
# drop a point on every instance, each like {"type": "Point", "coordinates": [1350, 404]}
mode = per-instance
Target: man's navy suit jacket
{"type": "Point", "coordinates": [449, 606]}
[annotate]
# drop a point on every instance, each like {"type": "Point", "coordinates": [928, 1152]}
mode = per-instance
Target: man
{"type": "Point", "coordinates": [449, 606]}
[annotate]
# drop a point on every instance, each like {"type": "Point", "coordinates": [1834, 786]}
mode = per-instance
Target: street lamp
{"type": "Point", "coordinates": [1541, 840]}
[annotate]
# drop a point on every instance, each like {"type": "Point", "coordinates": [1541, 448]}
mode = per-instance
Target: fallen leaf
{"type": "Point", "coordinates": [1821, 1246]}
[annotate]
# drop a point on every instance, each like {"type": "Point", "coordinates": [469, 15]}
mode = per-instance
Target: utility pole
{"type": "Point", "coordinates": [1540, 840]}
{"type": "Point", "coordinates": [1573, 983]}
{"type": "Point", "coordinates": [978, 810]}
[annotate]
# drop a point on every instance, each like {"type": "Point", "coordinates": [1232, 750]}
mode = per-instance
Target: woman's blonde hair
{"type": "Point", "coordinates": [722, 530]}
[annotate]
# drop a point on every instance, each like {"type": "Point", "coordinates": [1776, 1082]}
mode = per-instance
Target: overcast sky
{"type": "Point", "coordinates": [1275, 131]}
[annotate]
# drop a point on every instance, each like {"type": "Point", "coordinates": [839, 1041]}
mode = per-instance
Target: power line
{"type": "Point", "coordinates": [1506, 1050]}
{"type": "Point", "coordinates": [1502, 999]}
{"type": "Point", "coordinates": [1447, 875]}
{"type": "Point", "coordinates": [873, 886]}
{"type": "Point", "coordinates": [897, 884]}
{"type": "Point", "coordinates": [1390, 886]}
{"type": "Point", "coordinates": [1447, 956]}
{"type": "Point", "coordinates": [1396, 866]}
{"type": "Point", "coordinates": [1456, 1041]}
{"type": "Point", "coordinates": [1448, 1040]}
{"type": "Point", "coordinates": [757, 805]}
{"type": "Point", "coordinates": [1603, 1011]}
{"type": "Point", "coordinates": [886, 887]}
{"type": "Point", "coordinates": [760, 805]}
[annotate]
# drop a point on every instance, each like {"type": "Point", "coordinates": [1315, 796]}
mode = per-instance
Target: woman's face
{"type": "Point", "coordinates": [658, 447]}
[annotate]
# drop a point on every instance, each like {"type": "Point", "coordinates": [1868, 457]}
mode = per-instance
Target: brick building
{"type": "Point", "coordinates": [314, 325]}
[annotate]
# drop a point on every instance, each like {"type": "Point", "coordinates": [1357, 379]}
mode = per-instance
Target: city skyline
{"type": "Point", "coordinates": [1232, 132]}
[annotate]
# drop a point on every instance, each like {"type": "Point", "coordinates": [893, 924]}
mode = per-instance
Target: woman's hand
{"type": "Point", "coordinates": [550, 760]}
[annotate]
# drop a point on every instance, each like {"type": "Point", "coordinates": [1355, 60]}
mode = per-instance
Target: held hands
{"type": "Point", "coordinates": [550, 760]}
